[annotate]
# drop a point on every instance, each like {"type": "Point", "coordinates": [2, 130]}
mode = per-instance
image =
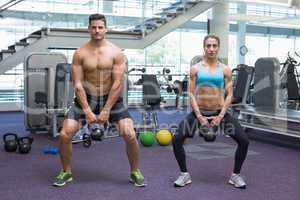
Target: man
{"type": "Point", "coordinates": [97, 71]}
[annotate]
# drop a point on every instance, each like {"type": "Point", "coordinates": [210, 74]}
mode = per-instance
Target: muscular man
{"type": "Point", "coordinates": [97, 71]}
{"type": "Point", "coordinates": [209, 81]}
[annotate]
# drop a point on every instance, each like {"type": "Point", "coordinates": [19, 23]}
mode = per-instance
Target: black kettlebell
{"type": "Point", "coordinates": [97, 133]}
{"type": "Point", "coordinates": [10, 145]}
{"type": "Point", "coordinates": [210, 137]}
{"type": "Point", "coordinates": [208, 133]}
{"type": "Point", "coordinates": [25, 144]}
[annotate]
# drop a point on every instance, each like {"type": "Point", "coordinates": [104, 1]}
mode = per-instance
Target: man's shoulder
{"type": "Point", "coordinates": [83, 48]}
{"type": "Point", "coordinates": [113, 46]}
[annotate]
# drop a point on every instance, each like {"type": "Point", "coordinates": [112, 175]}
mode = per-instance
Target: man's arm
{"type": "Point", "coordinates": [118, 79]}
{"type": "Point", "coordinates": [77, 76]}
{"type": "Point", "coordinates": [228, 90]}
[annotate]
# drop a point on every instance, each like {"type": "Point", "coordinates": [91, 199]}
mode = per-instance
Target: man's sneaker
{"type": "Point", "coordinates": [137, 178]}
{"type": "Point", "coordinates": [62, 179]}
{"type": "Point", "coordinates": [183, 180]}
{"type": "Point", "coordinates": [237, 181]}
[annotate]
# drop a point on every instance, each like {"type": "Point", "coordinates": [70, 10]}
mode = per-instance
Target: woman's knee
{"type": "Point", "coordinates": [242, 139]}
{"type": "Point", "coordinates": [177, 140]}
{"type": "Point", "coordinates": [245, 141]}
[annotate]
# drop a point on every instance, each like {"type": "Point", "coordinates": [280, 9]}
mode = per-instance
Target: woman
{"type": "Point", "coordinates": [209, 81]}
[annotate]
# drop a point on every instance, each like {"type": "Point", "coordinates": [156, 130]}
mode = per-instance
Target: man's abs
{"type": "Point", "coordinates": [98, 82]}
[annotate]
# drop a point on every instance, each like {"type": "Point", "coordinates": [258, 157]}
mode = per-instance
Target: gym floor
{"type": "Point", "coordinates": [102, 171]}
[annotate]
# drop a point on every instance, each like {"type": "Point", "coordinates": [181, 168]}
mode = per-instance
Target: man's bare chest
{"type": "Point", "coordinates": [98, 63]}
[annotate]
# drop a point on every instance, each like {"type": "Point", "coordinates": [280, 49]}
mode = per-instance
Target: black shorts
{"type": "Point", "coordinates": [118, 111]}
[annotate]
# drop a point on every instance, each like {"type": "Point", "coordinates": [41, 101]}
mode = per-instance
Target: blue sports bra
{"type": "Point", "coordinates": [210, 79]}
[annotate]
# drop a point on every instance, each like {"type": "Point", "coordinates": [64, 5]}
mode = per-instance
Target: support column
{"type": "Point", "coordinates": [241, 35]}
{"type": "Point", "coordinates": [219, 25]}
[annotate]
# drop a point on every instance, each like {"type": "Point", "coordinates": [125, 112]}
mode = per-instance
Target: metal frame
{"type": "Point", "coordinates": [49, 109]}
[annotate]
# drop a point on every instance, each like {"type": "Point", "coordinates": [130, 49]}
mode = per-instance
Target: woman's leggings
{"type": "Point", "coordinates": [190, 125]}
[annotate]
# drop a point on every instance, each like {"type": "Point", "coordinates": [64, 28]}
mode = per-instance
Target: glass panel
{"type": "Point", "coordinates": [232, 57]}
{"type": "Point", "coordinates": [255, 52]}
{"type": "Point", "coordinates": [280, 46]}
{"type": "Point", "coordinates": [297, 45]}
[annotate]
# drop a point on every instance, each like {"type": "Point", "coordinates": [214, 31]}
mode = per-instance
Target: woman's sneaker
{"type": "Point", "coordinates": [238, 181]}
{"type": "Point", "coordinates": [137, 178]}
{"type": "Point", "coordinates": [183, 180]}
{"type": "Point", "coordinates": [62, 178]}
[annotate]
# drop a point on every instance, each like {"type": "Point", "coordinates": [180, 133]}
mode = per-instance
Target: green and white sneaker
{"type": "Point", "coordinates": [137, 178]}
{"type": "Point", "coordinates": [62, 178]}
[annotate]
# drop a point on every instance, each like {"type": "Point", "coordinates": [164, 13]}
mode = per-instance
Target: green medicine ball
{"type": "Point", "coordinates": [147, 138]}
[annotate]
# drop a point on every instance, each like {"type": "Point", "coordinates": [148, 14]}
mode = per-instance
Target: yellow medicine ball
{"type": "Point", "coordinates": [164, 137]}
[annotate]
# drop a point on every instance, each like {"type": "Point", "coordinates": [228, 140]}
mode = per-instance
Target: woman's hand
{"type": "Point", "coordinates": [203, 120]}
{"type": "Point", "coordinates": [216, 120]}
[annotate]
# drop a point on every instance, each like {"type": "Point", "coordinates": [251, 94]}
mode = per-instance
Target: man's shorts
{"type": "Point", "coordinates": [118, 111]}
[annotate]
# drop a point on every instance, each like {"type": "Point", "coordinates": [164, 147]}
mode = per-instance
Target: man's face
{"type": "Point", "coordinates": [211, 48]}
{"type": "Point", "coordinates": [97, 29]}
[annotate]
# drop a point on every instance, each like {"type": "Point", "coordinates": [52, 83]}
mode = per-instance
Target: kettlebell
{"type": "Point", "coordinates": [210, 137]}
{"type": "Point", "coordinates": [97, 132]}
{"type": "Point", "coordinates": [10, 145]}
{"type": "Point", "coordinates": [208, 133]}
{"type": "Point", "coordinates": [25, 144]}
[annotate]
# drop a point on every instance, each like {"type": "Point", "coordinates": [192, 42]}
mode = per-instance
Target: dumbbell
{"type": "Point", "coordinates": [51, 150]}
{"type": "Point", "coordinates": [169, 89]}
{"type": "Point", "coordinates": [86, 140]}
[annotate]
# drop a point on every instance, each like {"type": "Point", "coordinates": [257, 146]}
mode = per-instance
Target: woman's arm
{"type": "Point", "coordinates": [228, 91]}
{"type": "Point", "coordinates": [193, 101]}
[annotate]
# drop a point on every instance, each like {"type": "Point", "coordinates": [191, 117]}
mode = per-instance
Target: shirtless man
{"type": "Point", "coordinates": [97, 71]}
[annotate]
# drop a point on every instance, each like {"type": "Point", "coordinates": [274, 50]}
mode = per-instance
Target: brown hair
{"type": "Point", "coordinates": [97, 17]}
{"type": "Point", "coordinates": [211, 36]}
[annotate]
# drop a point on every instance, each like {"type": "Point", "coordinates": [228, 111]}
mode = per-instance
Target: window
{"type": "Point", "coordinates": [232, 51]}
{"type": "Point", "coordinates": [280, 46]}
{"type": "Point", "coordinates": [257, 48]}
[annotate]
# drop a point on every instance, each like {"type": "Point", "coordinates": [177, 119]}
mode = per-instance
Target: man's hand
{"type": "Point", "coordinates": [90, 117]}
{"type": "Point", "coordinates": [103, 117]}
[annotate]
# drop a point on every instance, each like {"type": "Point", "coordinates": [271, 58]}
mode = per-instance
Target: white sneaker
{"type": "Point", "coordinates": [237, 181]}
{"type": "Point", "coordinates": [183, 180]}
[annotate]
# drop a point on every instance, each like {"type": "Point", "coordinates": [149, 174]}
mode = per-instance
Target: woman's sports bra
{"type": "Point", "coordinates": [210, 79]}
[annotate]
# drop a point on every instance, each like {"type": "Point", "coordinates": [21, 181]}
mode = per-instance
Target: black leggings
{"type": "Point", "coordinates": [190, 125]}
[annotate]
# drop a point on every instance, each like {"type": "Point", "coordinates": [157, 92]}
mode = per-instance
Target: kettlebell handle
{"type": "Point", "coordinates": [105, 125]}
{"type": "Point", "coordinates": [10, 134]}
{"type": "Point", "coordinates": [21, 139]}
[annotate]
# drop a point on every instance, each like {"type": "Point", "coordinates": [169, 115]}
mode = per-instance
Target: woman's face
{"type": "Point", "coordinates": [211, 48]}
